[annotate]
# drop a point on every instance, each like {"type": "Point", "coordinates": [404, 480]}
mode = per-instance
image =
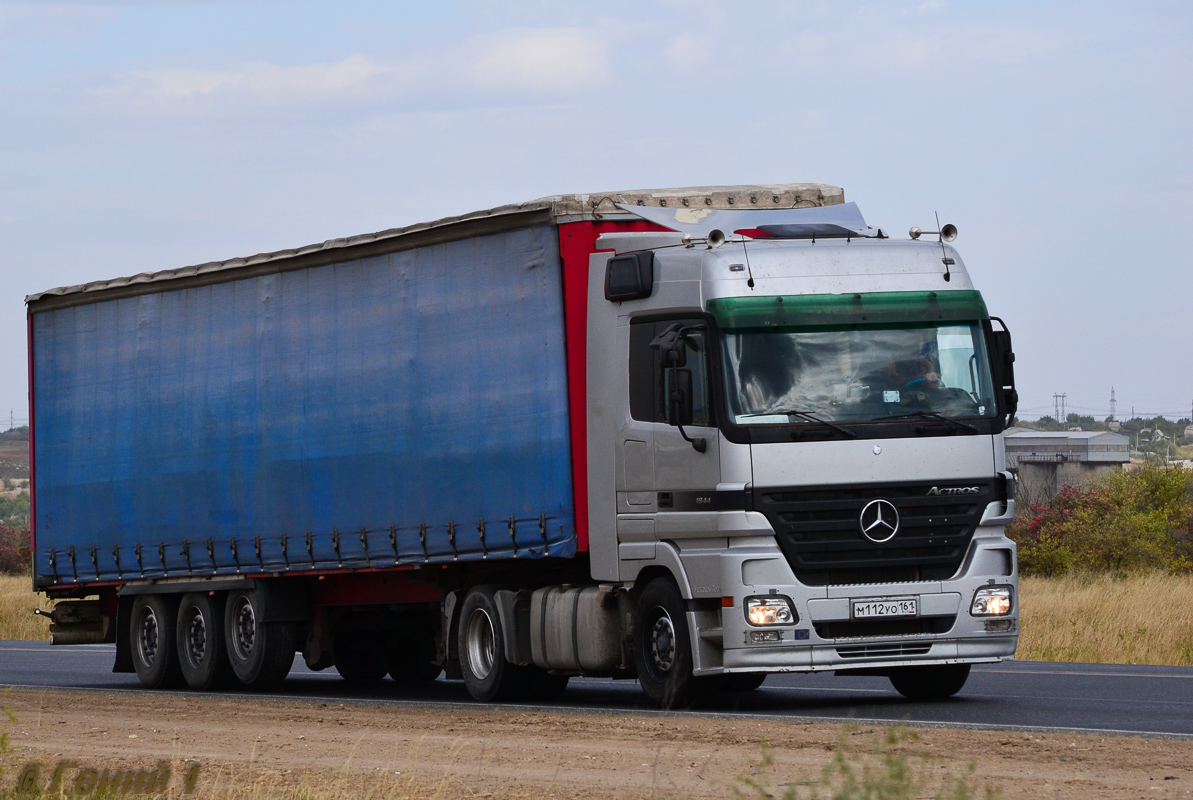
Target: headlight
{"type": "Point", "coordinates": [992, 601]}
{"type": "Point", "coordinates": [761, 611]}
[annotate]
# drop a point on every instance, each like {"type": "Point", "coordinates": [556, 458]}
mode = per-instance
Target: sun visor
{"type": "Point", "coordinates": [836, 221]}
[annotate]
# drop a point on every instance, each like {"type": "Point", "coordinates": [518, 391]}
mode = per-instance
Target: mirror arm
{"type": "Point", "coordinates": [699, 444]}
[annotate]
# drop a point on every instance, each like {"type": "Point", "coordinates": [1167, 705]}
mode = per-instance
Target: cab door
{"type": "Point", "coordinates": [679, 471]}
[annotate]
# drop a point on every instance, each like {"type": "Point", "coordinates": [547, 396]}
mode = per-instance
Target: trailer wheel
{"type": "Point", "coordinates": [202, 654]}
{"type": "Point", "coordinates": [929, 683]}
{"type": "Point", "coordinates": [487, 673]}
{"type": "Point", "coordinates": [151, 636]}
{"type": "Point", "coordinates": [261, 653]}
{"type": "Point", "coordinates": [357, 661]}
{"type": "Point", "coordinates": [663, 648]}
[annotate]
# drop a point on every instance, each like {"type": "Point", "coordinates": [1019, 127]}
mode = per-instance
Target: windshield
{"type": "Point", "coordinates": [857, 374]}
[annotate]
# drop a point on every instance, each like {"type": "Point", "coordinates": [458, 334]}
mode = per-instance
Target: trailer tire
{"type": "Point", "coordinates": [929, 683]}
{"type": "Point", "coordinates": [663, 648]}
{"type": "Point", "coordinates": [487, 674]}
{"type": "Point", "coordinates": [151, 637]}
{"type": "Point", "coordinates": [261, 653]}
{"type": "Point", "coordinates": [202, 650]}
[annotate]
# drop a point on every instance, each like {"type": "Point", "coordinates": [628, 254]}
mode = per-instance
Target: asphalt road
{"type": "Point", "coordinates": [1017, 695]}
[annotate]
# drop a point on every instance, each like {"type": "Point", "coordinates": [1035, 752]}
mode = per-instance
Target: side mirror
{"type": "Point", "coordinates": [679, 396]}
{"type": "Point", "coordinates": [1002, 359]}
{"type": "Point", "coordinates": [629, 277]}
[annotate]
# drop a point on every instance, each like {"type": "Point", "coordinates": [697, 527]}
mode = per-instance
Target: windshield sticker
{"type": "Point", "coordinates": [890, 397]}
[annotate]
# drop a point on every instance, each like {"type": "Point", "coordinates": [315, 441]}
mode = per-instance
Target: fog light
{"type": "Point", "coordinates": [1000, 625]}
{"type": "Point", "coordinates": [992, 601]}
{"type": "Point", "coordinates": [762, 611]}
{"type": "Point", "coordinates": [766, 636]}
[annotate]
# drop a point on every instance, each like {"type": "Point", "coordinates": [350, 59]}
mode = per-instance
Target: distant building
{"type": "Point", "coordinates": [1045, 461]}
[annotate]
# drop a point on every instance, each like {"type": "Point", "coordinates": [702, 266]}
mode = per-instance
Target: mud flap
{"type": "Point", "coordinates": [124, 652]}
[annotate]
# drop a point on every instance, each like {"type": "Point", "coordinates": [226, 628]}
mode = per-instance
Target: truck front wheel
{"type": "Point", "coordinates": [487, 673]}
{"type": "Point", "coordinates": [201, 651]}
{"type": "Point", "coordinates": [155, 657]}
{"type": "Point", "coordinates": [929, 683]}
{"type": "Point", "coordinates": [261, 653]}
{"type": "Point", "coordinates": [663, 647]}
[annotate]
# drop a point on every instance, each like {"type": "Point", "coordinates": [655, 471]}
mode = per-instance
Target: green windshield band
{"type": "Point", "coordinates": [868, 308]}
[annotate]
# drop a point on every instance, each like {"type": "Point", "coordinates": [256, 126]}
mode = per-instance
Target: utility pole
{"type": "Point", "coordinates": [1058, 407]}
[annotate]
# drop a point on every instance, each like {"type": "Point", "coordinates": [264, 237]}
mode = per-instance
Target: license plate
{"type": "Point", "coordinates": [895, 607]}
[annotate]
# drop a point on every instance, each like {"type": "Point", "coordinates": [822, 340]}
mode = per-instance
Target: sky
{"type": "Point", "coordinates": [1058, 137]}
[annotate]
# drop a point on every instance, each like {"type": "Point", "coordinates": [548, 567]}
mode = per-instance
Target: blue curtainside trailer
{"type": "Point", "coordinates": [398, 408]}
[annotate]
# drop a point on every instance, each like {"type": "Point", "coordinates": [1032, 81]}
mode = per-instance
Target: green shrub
{"type": "Point", "coordinates": [1129, 521]}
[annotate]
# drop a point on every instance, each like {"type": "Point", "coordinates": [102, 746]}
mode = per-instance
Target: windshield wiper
{"type": "Point", "coordinates": [809, 417]}
{"type": "Point", "coordinates": [935, 415]}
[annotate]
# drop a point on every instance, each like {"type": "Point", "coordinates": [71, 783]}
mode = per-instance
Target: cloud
{"type": "Point", "coordinates": [255, 79]}
{"type": "Point", "coordinates": [514, 63]}
{"type": "Point", "coordinates": [553, 60]}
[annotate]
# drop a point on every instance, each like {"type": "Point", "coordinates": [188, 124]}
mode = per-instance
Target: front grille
{"type": "Point", "coordinates": [884, 650]}
{"type": "Point", "coordinates": [874, 628]}
{"type": "Point", "coordinates": [819, 532]}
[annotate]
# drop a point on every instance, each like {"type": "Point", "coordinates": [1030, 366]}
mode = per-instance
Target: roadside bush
{"type": "Point", "coordinates": [15, 550]}
{"type": "Point", "coordinates": [1126, 522]}
{"type": "Point", "coordinates": [14, 510]}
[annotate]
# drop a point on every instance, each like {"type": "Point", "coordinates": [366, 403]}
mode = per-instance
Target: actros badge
{"type": "Point", "coordinates": [879, 520]}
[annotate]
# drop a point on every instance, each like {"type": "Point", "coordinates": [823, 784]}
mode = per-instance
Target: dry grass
{"type": "Point", "coordinates": [1140, 619]}
{"type": "Point", "coordinates": [17, 602]}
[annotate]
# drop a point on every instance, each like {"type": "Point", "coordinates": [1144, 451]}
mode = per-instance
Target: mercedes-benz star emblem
{"type": "Point", "coordinates": [879, 520]}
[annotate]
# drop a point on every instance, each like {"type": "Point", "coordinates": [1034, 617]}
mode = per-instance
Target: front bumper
{"type": "Point", "coordinates": [825, 637]}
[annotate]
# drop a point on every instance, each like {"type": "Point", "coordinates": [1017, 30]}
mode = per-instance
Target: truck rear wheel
{"type": "Point", "coordinates": [663, 647]}
{"type": "Point", "coordinates": [261, 653]}
{"type": "Point", "coordinates": [487, 674]}
{"type": "Point", "coordinates": [155, 656]}
{"type": "Point", "coordinates": [929, 683]}
{"type": "Point", "coordinates": [202, 654]}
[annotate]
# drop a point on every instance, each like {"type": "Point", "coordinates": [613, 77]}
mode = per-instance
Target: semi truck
{"type": "Point", "coordinates": [688, 436]}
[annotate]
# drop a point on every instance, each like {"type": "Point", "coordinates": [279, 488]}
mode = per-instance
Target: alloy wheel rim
{"type": "Point", "coordinates": [196, 639]}
{"type": "Point", "coordinates": [245, 629]}
{"type": "Point", "coordinates": [147, 636]}
{"type": "Point", "coordinates": [662, 642]}
{"type": "Point", "coordinates": [481, 644]}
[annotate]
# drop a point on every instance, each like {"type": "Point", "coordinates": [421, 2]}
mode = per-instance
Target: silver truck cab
{"type": "Point", "coordinates": [804, 434]}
